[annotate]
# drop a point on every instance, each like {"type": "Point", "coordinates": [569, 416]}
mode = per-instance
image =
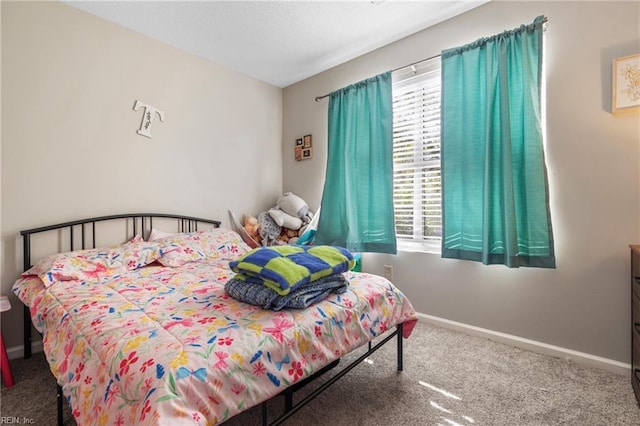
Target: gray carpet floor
{"type": "Point", "coordinates": [449, 379]}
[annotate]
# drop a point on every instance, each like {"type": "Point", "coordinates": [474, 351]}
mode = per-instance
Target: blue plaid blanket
{"type": "Point", "coordinates": [303, 297]}
{"type": "Point", "coordinates": [286, 268]}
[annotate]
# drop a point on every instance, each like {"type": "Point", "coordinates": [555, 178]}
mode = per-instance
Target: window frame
{"type": "Point", "coordinates": [427, 72]}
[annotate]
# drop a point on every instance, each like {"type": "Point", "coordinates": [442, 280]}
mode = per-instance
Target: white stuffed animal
{"type": "Point", "coordinates": [294, 206]}
{"type": "Point", "coordinates": [284, 219]}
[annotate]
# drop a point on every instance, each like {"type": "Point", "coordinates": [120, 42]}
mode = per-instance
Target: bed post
{"type": "Point", "coordinates": [59, 403]}
{"type": "Point", "coordinates": [26, 332]}
{"type": "Point", "coordinates": [400, 355]}
{"type": "Point", "coordinates": [26, 314]}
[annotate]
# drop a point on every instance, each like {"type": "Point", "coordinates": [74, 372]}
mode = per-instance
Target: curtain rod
{"type": "Point", "coordinates": [393, 70]}
{"type": "Point", "coordinates": [544, 21]}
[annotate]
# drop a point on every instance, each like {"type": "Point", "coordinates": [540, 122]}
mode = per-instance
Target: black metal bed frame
{"type": "Point", "coordinates": [143, 223]}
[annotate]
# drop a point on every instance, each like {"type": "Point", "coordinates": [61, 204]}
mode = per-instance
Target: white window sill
{"type": "Point", "coordinates": [432, 247]}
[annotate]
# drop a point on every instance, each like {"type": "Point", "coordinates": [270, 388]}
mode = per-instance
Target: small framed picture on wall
{"type": "Point", "coordinates": [298, 149]}
{"type": "Point", "coordinates": [626, 83]}
{"type": "Point", "coordinates": [303, 148]}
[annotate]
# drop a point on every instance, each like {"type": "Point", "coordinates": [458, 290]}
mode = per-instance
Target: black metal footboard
{"type": "Point", "coordinates": [291, 409]}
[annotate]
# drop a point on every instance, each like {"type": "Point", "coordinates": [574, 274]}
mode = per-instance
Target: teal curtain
{"type": "Point", "coordinates": [357, 200]}
{"type": "Point", "coordinates": [495, 191]}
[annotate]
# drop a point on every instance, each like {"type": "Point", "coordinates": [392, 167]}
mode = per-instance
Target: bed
{"type": "Point", "coordinates": [143, 331]}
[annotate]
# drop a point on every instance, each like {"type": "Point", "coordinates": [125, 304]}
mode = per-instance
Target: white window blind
{"type": "Point", "coordinates": [416, 155]}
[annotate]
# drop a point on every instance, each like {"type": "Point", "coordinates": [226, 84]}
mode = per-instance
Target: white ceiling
{"type": "Point", "coordinates": [279, 42]}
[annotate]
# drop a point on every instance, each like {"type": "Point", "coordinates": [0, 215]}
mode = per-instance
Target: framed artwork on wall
{"type": "Point", "coordinates": [298, 149]}
{"type": "Point", "coordinates": [303, 149]}
{"type": "Point", "coordinates": [307, 141]}
{"type": "Point", "coordinates": [625, 88]}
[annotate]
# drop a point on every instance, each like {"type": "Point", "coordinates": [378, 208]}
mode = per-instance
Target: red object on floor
{"type": "Point", "coordinates": [7, 377]}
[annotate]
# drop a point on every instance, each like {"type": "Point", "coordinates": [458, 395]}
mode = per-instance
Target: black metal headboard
{"type": "Point", "coordinates": [138, 223]}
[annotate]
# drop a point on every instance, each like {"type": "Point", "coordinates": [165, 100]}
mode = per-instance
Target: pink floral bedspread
{"type": "Point", "coordinates": [162, 345]}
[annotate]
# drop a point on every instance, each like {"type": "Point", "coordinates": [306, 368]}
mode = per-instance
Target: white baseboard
{"type": "Point", "coordinates": [16, 352]}
{"type": "Point", "coordinates": [532, 345]}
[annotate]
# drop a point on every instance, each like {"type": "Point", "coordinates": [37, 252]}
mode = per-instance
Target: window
{"type": "Point", "coordinates": [416, 156]}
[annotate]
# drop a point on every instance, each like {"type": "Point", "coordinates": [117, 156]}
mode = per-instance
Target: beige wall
{"type": "Point", "coordinates": [593, 159]}
{"type": "Point", "coordinates": [70, 150]}
{"type": "Point", "coordinates": [69, 142]}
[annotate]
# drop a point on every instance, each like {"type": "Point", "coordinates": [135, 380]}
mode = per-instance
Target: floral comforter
{"type": "Point", "coordinates": [162, 345]}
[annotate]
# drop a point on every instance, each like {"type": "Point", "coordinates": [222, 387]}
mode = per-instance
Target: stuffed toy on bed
{"type": "Point", "coordinates": [268, 228]}
{"type": "Point", "coordinates": [252, 227]}
{"type": "Point", "coordinates": [291, 213]}
{"type": "Point", "coordinates": [282, 224]}
{"type": "Point", "coordinates": [294, 206]}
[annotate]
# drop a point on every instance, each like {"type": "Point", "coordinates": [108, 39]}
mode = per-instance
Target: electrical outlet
{"type": "Point", "coordinates": [388, 272]}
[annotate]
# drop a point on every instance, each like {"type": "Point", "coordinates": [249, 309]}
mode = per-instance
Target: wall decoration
{"type": "Point", "coordinates": [298, 149]}
{"type": "Point", "coordinates": [147, 118]}
{"type": "Point", "coordinates": [626, 83]}
{"type": "Point", "coordinates": [303, 148]}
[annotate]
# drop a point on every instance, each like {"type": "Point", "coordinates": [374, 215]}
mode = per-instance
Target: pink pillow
{"type": "Point", "coordinates": [217, 243]}
{"type": "Point", "coordinates": [92, 264]}
{"type": "Point", "coordinates": [76, 265]}
{"type": "Point", "coordinates": [135, 254]}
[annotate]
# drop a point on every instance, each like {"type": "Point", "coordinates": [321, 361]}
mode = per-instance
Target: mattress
{"type": "Point", "coordinates": [168, 345]}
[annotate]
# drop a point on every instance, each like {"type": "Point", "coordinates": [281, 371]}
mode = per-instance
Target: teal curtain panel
{"type": "Point", "coordinates": [357, 200]}
{"type": "Point", "coordinates": [495, 188]}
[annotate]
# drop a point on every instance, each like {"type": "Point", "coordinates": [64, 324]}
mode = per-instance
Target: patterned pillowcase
{"type": "Point", "coordinates": [76, 265]}
{"type": "Point", "coordinates": [92, 264]}
{"type": "Point", "coordinates": [214, 244]}
{"type": "Point", "coordinates": [156, 234]}
{"type": "Point", "coordinates": [135, 254]}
